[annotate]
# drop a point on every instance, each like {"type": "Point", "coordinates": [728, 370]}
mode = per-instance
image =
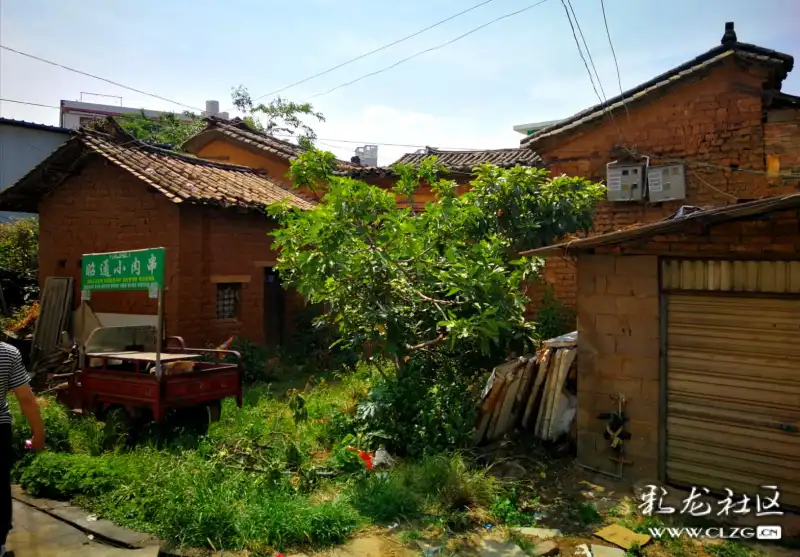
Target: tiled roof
{"type": "Point", "coordinates": [180, 177]}
{"type": "Point", "coordinates": [465, 161]}
{"type": "Point", "coordinates": [240, 132]}
{"type": "Point", "coordinates": [730, 47]}
{"type": "Point", "coordinates": [679, 223]}
{"type": "Point", "coordinates": [33, 125]}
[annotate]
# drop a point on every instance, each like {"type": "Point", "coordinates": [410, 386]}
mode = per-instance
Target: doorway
{"type": "Point", "coordinates": [274, 308]}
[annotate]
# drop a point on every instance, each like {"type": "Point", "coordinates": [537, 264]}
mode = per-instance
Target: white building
{"type": "Point", "coordinates": [528, 129]}
{"type": "Point", "coordinates": [75, 114]}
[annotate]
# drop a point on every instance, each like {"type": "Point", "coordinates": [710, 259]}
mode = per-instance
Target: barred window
{"type": "Point", "coordinates": [228, 300]}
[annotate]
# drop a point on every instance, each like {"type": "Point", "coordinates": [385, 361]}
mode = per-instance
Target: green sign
{"type": "Point", "coordinates": [123, 270]}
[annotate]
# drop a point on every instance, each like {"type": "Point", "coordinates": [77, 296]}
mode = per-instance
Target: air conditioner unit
{"type": "Point", "coordinates": [665, 183]}
{"type": "Point", "coordinates": [624, 182]}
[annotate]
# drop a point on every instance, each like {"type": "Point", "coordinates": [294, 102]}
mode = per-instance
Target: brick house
{"type": "Point", "coordinates": [721, 115]}
{"type": "Point", "coordinates": [695, 320]}
{"type": "Point", "coordinates": [236, 142]}
{"type": "Point", "coordinates": [103, 192]}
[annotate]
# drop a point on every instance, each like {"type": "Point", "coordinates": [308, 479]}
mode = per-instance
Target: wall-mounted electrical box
{"type": "Point", "coordinates": [625, 182]}
{"type": "Point", "coordinates": [665, 183]}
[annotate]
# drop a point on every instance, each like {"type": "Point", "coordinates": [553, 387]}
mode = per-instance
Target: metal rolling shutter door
{"type": "Point", "coordinates": [733, 393]}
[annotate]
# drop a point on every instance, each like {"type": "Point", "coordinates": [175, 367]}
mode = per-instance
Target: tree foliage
{"type": "Point", "coordinates": [19, 247]}
{"type": "Point", "coordinates": [168, 129]}
{"type": "Point", "coordinates": [281, 116]}
{"type": "Point", "coordinates": [447, 278]}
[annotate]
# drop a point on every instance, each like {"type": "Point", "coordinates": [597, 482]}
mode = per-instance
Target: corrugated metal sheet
{"type": "Point", "coordinates": [733, 393]}
{"type": "Point", "coordinates": [731, 276]}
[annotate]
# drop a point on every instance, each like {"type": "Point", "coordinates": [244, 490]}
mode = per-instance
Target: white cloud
{"type": "Point", "coordinates": [386, 124]}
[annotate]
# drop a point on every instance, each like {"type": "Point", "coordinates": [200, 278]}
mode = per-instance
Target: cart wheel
{"type": "Point", "coordinates": [195, 419]}
{"type": "Point", "coordinates": [215, 411]}
{"type": "Point", "coordinates": [119, 428]}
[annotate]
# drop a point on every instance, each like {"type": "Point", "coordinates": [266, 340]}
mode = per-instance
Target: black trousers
{"type": "Point", "coordinates": [5, 482]}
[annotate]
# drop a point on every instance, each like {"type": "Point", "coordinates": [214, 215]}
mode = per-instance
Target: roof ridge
{"type": "Point", "coordinates": [709, 55]}
{"type": "Point", "coordinates": [138, 143]}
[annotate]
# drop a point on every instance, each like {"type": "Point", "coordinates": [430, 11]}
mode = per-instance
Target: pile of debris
{"type": "Point", "coordinates": [535, 393]}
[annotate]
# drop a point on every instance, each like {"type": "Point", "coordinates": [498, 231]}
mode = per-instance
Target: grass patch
{"type": "Point", "coordinates": [273, 475]}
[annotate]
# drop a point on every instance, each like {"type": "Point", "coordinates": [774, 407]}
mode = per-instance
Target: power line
{"type": "Point", "coordinates": [34, 57]}
{"type": "Point", "coordinates": [420, 53]}
{"type": "Point", "coordinates": [371, 52]}
{"type": "Point", "coordinates": [580, 51]}
{"type": "Point", "coordinates": [586, 65]}
{"type": "Point", "coordinates": [616, 64]}
{"type": "Point", "coordinates": [336, 140]}
{"type": "Point", "coordinates": [30, 103]}
{"type": "Point", "coordinates": [586, 48]}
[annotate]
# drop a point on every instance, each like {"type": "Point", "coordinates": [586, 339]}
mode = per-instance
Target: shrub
{"type": "Point", "coordinates": [62, 476]}
{"type": "Point", "coordinates": [430, 408]}
{"type": "Point", "coordinates": [554, 318]}
{"type": "Point", "coordinates": [254, 359]}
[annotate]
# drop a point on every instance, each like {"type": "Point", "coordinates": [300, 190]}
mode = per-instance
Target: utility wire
{"type": "Point", "coordinates": [586, 65]}
{"type": "Point", "coordinates": [153, 95]}
{"type": "Point", "coordinates": [420, 53]}
{"type": "Point", "coordinates": [336, 140]}
{"type": "Point", "coordinates": [30, 103]}
{"type": "Point", "coordinates": [616, 64]}
{"type": "Point", "coordinates": [371, 52]}
{"type": "Point", "coordinates": [586, 48]}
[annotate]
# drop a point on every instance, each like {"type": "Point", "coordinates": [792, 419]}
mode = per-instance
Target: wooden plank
{"type": "Point", "coordinates": [504, 421]}
{"type": "Point", "coordinates": [566, 361]}
{"type": "Point", "coordinates": [547, 397]}
{"type": "Point", "coordinates": [533, 396]}
{"type": "Point", "coordinates": [54, 313]}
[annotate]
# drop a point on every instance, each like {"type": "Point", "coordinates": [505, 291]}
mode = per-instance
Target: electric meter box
{"type": "Point", "coordinates": [666, 183]}
{"type": "Point", "coordinates": [625, 182]}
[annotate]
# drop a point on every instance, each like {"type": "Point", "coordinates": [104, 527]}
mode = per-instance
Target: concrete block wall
{"type": "Point", "coordinates": [618, 352]}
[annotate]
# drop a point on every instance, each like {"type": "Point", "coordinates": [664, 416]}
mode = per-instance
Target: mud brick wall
{"type": "Point", "coordinates": [618, 352]}
{"type": "Point", "coordinates": [106, 209]}
{"type": "Point", "coordinates": [719, 118]}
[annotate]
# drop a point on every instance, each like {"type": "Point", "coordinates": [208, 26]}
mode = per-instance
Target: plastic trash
{"type": "Point", "coordinates": [566, 410]}
{"type": "Point", "coordinates": [91, 518]}
{"type": "Point", "coordinates": [364, 456]}
{"type": "Point", "coordinates": [382, 458]}
{"type": "Point", "coordinates": [28, 445]}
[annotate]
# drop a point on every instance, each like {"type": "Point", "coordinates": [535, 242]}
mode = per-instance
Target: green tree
{"type": "Point", "coordinates": [445, 279]}
{"type": "Point", "coordinates": [168, 129]}
{"type": "Point", "coordinates": [19, 247]}
{"type": "Point", "coordinates": [282, 116]}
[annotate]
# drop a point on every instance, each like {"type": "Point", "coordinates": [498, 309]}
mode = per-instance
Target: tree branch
{"type": "Point", "coordinates": [426, 344]}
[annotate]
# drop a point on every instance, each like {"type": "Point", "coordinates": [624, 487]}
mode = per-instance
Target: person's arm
{"type": "Point", "coordinates": [20, 386]}
{"type": "Point", "coordinates": [30, 409]}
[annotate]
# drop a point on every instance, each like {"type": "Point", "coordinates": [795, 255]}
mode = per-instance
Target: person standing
{"type": "Point", "coordinates": [14, 378]}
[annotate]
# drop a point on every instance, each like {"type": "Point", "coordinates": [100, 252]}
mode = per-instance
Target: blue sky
{"type": "Point", "coordinates": [467, 95]}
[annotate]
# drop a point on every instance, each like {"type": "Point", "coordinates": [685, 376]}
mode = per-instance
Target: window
{"type": "Point", "coordinates": [228, 296]}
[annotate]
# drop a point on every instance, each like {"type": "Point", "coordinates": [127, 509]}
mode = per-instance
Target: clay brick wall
{"type": "Point", "coordinates": [106, 209]}
{"type": "Point", "coordinates": [618, 304]}
{"type": "Point", "coordinates": [717, 119]}
{"type": "Point", "coordinates": [775, 236]}
{"type": "Point", "coordinates": [782, 140]}
{"type": "Point", "coordinates": [220, 243]}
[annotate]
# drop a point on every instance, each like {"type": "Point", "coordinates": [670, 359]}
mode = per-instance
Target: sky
{"type": "Point", "coordinates": [467, 95]}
